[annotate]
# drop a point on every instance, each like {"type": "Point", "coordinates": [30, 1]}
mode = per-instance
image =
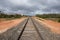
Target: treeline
{"type": "Point", "coordinates": [48, 15]}
{"type": "Point", "coordinates": [2, 15]}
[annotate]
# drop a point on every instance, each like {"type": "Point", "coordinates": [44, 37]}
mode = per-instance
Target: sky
{"type": "Point", "coordinates": [30, 7]}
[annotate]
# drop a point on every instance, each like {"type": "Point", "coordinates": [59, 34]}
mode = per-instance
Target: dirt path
{"type": "Point", "coordinates": [54, 26]}
{"type": "Point", "coordinates": [5, 25]}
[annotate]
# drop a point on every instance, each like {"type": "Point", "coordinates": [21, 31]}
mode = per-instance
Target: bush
{"type": "Point", "coordinates": [59, 20]}
{"type": "Point", "coordinates": [48, 15]}
{"type": "Point", "coordinates": [2, 15]}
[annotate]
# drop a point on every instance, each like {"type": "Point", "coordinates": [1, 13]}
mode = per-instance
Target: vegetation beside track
{"type": "Point", "coordinates": [54, 17]}
{"type": "Point", "coordinates": [9, 16]}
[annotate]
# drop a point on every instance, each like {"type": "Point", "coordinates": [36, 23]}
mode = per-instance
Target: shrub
{"type": "Point", "coordinates": [59, 20]}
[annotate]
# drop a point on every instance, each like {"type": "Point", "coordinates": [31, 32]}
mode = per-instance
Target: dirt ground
{"type": "Point", "coordinates": [7, 24]}
{"type": "Point", "coordinates": [54, 26]}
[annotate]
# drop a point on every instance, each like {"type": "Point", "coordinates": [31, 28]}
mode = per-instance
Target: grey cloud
{"type": "Point", "coordinates": [32, 7]}
{"type": "Point", "coordinates": [26, 8]}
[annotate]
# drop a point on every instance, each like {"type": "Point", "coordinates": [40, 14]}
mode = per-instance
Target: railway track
{"type": "Point", "coordinates": [25, 31]}
{"type": "Point", "coordinates": [13, 33]}
{"type": "Point", "coordinates": [22, 30]}
{"type": "Point", "coordinates": [29, 29]}
{"type": "Point", "coordinates": [37, 30]}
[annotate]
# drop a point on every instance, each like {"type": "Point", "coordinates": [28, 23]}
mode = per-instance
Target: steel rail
{"type": "Point", "coordinates": [37, 29]}
{"type": "Point", "coordinates": [23, 30]}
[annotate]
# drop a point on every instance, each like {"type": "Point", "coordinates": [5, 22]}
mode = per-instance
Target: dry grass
{"type": "Point", "coordinates": [53, 19]}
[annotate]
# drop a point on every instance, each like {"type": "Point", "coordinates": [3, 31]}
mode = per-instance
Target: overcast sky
{"type": "Point", "coordinates": [30, 7]}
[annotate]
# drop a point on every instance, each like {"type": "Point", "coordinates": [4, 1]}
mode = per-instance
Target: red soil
{"type": "Point", "coordinates": [5, 25]}
{"type": "Point", "coordinates": [54, 26]}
